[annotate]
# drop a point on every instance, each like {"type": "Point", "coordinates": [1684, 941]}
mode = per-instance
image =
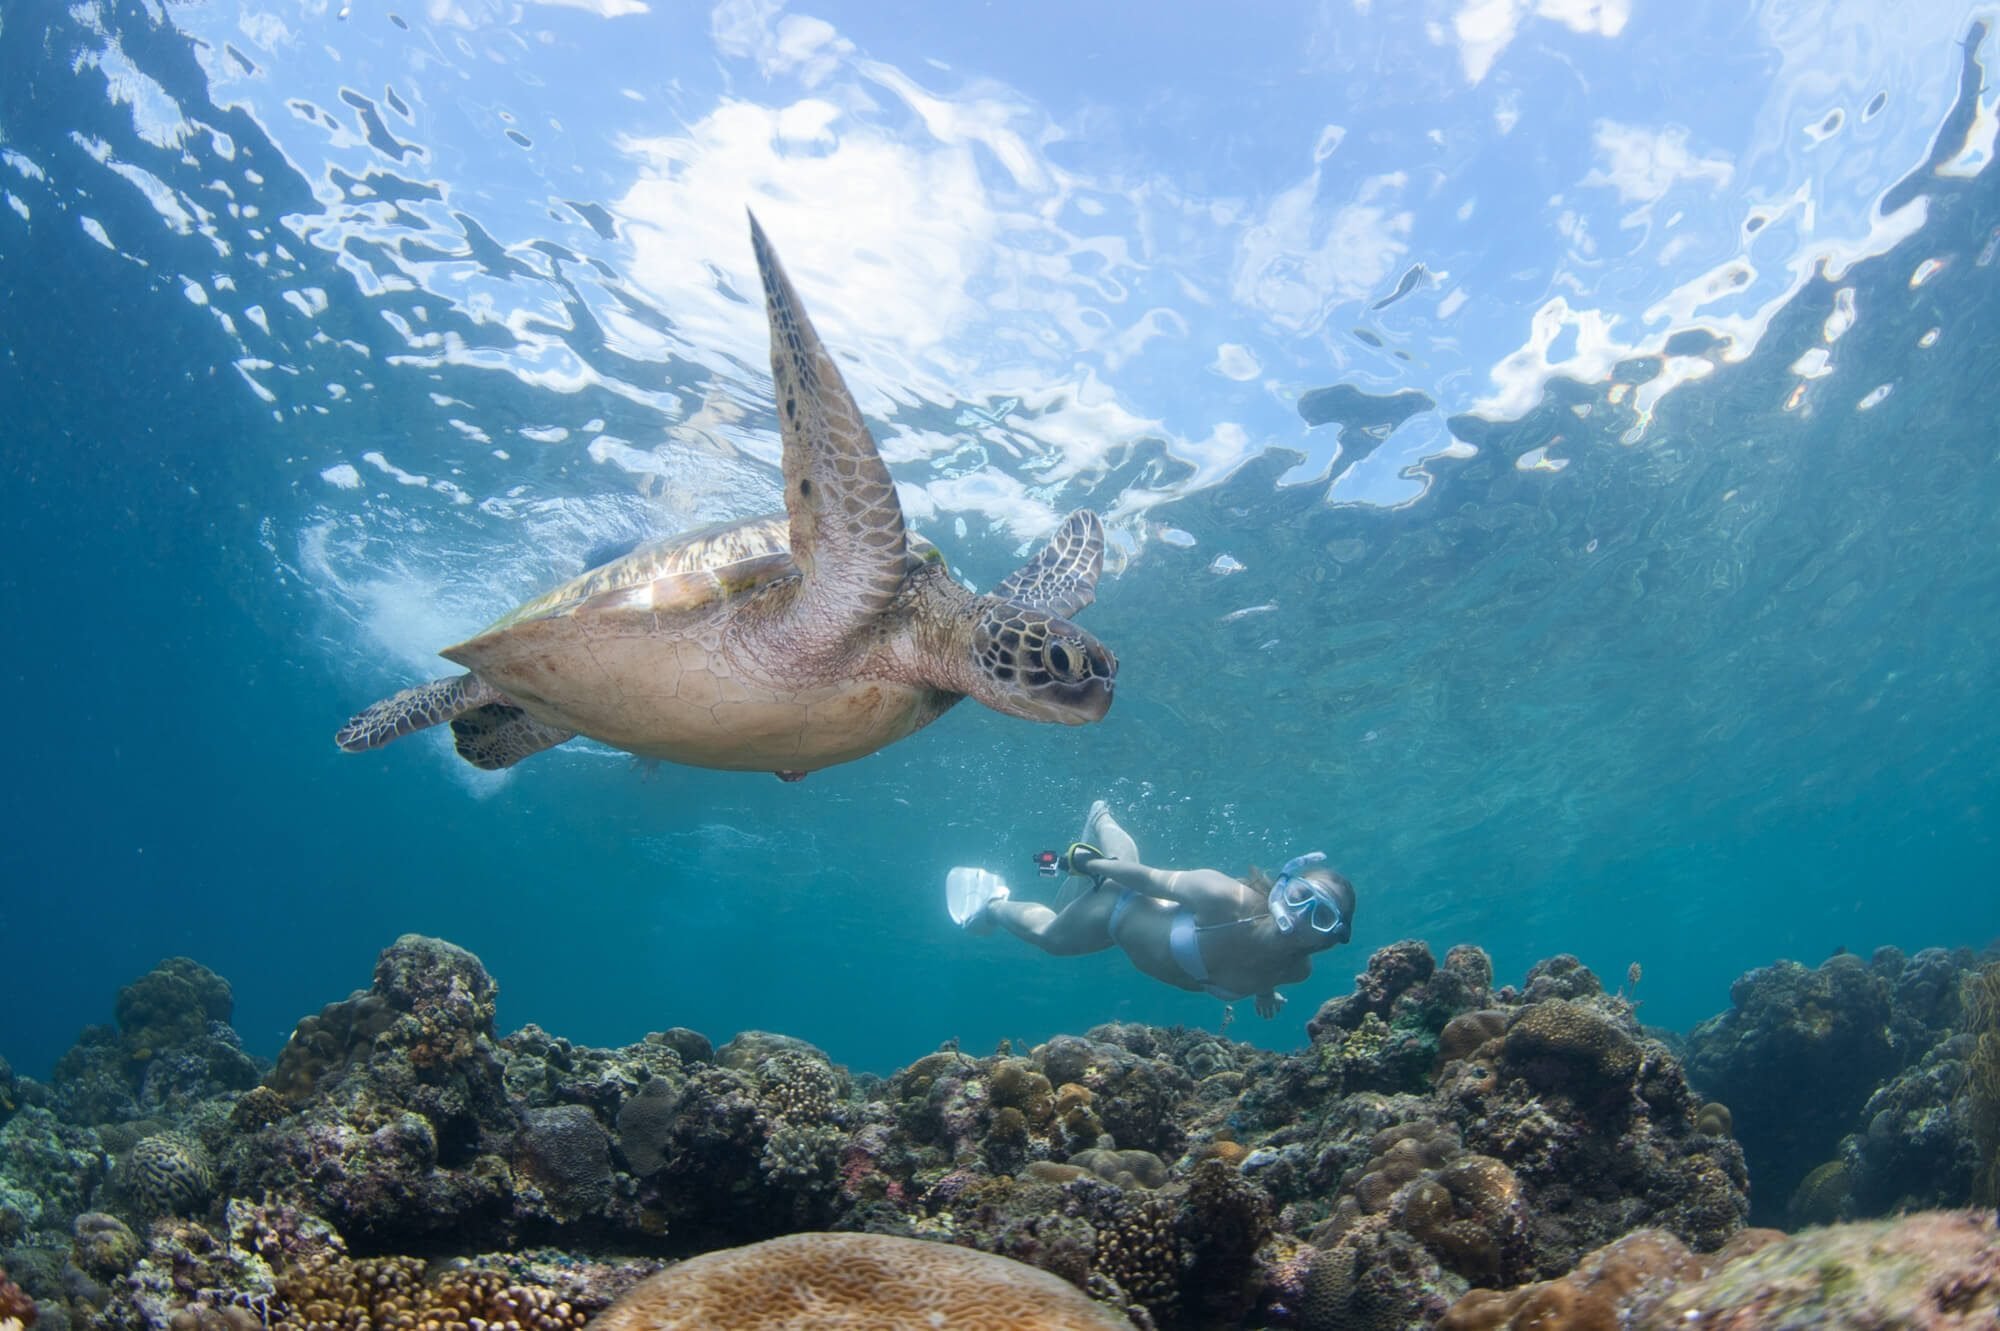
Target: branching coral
{"type": "Point", "coordinates": [1140, 1251]}
{"type": "Point", "coordinates": [390, 1294]}
{"type": "Point", "coordinates": [797, 1088]}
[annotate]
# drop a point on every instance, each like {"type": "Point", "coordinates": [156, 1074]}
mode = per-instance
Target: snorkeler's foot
{"type": "Point", "coordinates": [981, 921]}
{"type": "Point", "coordinates": [967, 894]}
{"type": "Point", "coordinates": [1101, 829]}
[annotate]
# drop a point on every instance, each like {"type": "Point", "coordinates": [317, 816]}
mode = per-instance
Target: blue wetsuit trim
{"type": "Point", "coordinates": [1183, 942]}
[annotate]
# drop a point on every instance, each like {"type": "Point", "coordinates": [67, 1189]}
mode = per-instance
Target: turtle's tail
{"type": "Point", "coordinates": [414, 709]}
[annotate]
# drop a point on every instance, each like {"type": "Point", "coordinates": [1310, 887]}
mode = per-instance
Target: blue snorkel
{"type": "Point", "coordinates": [1294, 898]}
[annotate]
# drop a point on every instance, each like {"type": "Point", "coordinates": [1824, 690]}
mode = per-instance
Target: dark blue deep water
{"type": "Point", "coordinates": [1658, 622]}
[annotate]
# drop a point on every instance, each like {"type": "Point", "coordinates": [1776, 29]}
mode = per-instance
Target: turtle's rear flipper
{"type": "Point", "coordinates": [499, 735]}
{"type": "Point", "coordinates": [412, 710]}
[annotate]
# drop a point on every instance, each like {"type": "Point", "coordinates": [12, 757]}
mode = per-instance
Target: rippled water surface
{"type": "Point", "coordinates": [1547, 447]}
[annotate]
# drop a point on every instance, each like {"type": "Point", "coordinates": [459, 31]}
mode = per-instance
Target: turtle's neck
{"type": "Point", "coordinates": [936, 649]}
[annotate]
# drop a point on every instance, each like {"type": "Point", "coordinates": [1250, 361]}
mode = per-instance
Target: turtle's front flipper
{"type": "Point", "coordinates": [1062, 578]}
{"type": "Point", "coordinates": [499, 735]}
{"type": "Point", "coordinates": [414, 709]}
{"type": "Point", "coordinates": [846, 523]}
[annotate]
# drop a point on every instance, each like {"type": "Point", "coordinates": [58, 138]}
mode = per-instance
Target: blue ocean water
{"type": "Point", "coordinates": [1655, 623]}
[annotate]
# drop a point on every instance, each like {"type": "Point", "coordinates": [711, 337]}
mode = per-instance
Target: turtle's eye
{"type": "Point", "coordinates": [1062, 661]}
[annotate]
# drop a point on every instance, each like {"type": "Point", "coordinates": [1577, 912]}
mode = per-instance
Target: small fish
{"type": "Point", "coordinates": [996, 414]}
{"type": "Point", "coordinates": [1249, 610]}
{"type": "Point", "coordinates": [1415, 274]}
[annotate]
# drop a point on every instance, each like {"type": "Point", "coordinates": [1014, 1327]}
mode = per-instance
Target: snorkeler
{"type": "Point", "coordinates": [1196, 929]}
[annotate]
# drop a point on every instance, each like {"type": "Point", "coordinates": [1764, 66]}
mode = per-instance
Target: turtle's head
{"type": "Point", "coordinates": [1032, 664]}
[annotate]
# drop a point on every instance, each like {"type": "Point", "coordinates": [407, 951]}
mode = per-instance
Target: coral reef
{"type": "Point", "coordinates": [1803, 1049]}
{"type": "Point", "coordinates": [1443, 1151]}
{"type": "Point", "coordinates": [1442, 1134]}
{"type": "Point", "coordinates": [172, 1047]}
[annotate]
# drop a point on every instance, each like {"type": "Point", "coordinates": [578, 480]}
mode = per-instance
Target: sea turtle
{"type": "Point", "coordinates": [784, 643]}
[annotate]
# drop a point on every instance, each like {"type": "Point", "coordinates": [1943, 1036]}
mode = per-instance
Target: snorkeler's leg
{"type": "Point", "coordinates": [1082, 926]}
{"type": "Point", "coordinates": [1101, 830]}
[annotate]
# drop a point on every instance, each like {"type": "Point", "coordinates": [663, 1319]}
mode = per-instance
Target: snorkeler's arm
{"type": "Point", "coordinates": [1269, 1002]}
{"type": "Point", "coordinates": [1188, 887]}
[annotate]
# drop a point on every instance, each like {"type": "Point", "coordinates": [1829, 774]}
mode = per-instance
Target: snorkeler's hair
{"type": "Point", "coordinates": [1257, 880]}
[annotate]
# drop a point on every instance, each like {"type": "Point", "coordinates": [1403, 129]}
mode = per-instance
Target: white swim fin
{"type": "Point", "coordinates": [967, 893]}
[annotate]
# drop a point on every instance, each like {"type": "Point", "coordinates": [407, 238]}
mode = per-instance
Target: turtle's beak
{"type": "Point", "coordinates": [1096, 701]}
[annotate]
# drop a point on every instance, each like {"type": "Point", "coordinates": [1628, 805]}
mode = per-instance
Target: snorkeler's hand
{"type": "Point", "coordinates": [1269, 1002]}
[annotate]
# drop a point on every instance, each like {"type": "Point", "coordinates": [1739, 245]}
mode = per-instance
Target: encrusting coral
{"type": "Point", "coordinates": [872, 1281]}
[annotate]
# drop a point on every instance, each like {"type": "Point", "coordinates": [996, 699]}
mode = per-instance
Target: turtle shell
{"type": "Point", "coordinates": [709, 564]}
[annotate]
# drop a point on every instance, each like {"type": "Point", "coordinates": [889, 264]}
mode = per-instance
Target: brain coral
{"type": "Point", "coordinates": [168, 1174]}
{"type": "Point", "coordinates": [855, 1282]}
